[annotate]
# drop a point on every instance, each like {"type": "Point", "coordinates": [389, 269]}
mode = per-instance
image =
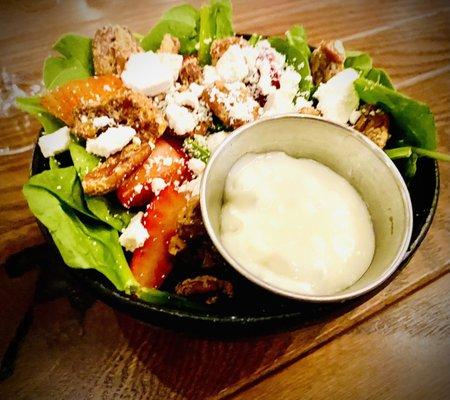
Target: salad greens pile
{"type": "Point", "coordinates": [85, 229]}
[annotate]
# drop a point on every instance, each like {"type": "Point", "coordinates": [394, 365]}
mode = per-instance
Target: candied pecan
{"type": "Point", "coordinates": [169, 44]}
{"type": "Point", "coordinates": [126, 108]}
{"type": "Point", "coordinates": [374, 123]}
{"type": "Point", "coordinates": [190, 225]}
{"type": "Point", "coordinates": [205, 285]}
{"type": "Point", "coordinates": [109, 175]}
{"type": "Point", "coordinates": [327, 60]}
{"type": "Point", "coordinates": [220, 46]}
{"type": "Point", "coordinates": [190, 71]}
{"type": "Point", "coordinates": [111, 49]}
{"type": "Point", "coordinates": [223, 97]}
{"type": "Point", "coordinates": [310, 111]}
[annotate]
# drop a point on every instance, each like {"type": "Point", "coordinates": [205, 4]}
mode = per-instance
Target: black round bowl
{"type": "Point", "coordinates": [254, 309]}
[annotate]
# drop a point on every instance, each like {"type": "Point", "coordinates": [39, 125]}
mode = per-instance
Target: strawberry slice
{"type": "Point", "coordinates": [61, 101]}
{"type": "Point", "coordinates": [167, 162]}
{"type": "Point", "coordinates": [151, 263]}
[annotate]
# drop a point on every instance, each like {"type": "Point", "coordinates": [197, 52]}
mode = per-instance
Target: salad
{"type": "Point", "coordinates": [129, 122]}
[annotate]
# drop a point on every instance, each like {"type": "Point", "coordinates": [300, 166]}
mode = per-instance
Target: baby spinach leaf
{"type": "Point", "coordinates": [58, 71]}
{"type": "Point", "coordinates": [297, 60]}
{"type": "Point", "coordinates": [76, 47]}
{"type": "Point", "coordinates": [32, 105]}
{"type": "Point", "coordinates": [296, 36]}
{"type": "Point", "coordinates": [380, 76]}
{"type": "Point", "coordinates": [75, 63]}
{"type": "Point", "coordinates": [65, 185]}
{"type": "Point", "coordinates": [413, 117]}
{"type": "Point", "coordinates": [180, 21]}
{"type": "Point", "coordinates": [358, 60]}
{"type": "Point", "coordinates": [215, 23]}
{"type": "Point", "coordinates": [83, 243]}
{"type": "Point", "coordinates": [102, 207]}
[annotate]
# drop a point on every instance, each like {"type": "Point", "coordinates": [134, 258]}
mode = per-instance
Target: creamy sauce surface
{"type": "Point", "coordinates": [296, 224]}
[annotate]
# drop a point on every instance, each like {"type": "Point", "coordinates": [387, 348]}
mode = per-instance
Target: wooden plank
{"type": "Point", "coordinates": [401, 355]}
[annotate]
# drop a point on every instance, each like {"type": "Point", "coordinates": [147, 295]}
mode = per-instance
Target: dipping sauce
{"type": "Point", "coordinates": [296, 224]}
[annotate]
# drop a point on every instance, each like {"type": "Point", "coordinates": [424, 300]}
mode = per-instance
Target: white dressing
{"type": "Point", "coordinates": [296, 224]}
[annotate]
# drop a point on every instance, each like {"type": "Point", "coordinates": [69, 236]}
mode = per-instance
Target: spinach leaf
{"type": "Point", "coordinates": [78, 48]}
{"type": "Point", "coordinates": [296, 58]}
{"type": "Point", "coordinates": [358, 60]}
{"type": "Point", "coordinates": [215, 23]}
{"type": "Point", "coordinates": [32, 105]}
{"type": "Point", "coordinates": [380, 76]}
{"type": "Point", "coordinates": [83, 243]}
{"type": "Point", "coordinates": [75, 63]}
{"type": "Point", "coordinates": [296, 36]}
{"type": "Point", "coordinates": [65, 185]}
{"type": "Point", "coordinates": [255, 38]}
{"type": "Point", "coordinates": [102, 207]}
{"type": "Point", "coordinates": [180, 21]}
{"type": "Point", "coordinates": [413, 117]}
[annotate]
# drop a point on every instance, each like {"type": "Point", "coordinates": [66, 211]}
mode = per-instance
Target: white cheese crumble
{"type": "Point", "coordinates": [55, 143]}
{"type": "Point", "coordinates": [278, 102]}
{"type": "Point", "coordinates": [215, 140]}
{"type": "Point", "coordinates": [138, 188]}
{"type": "Point", "coordinates": [354, 116]}
{"type": "Point", "coordinates": [196, 166]}
{"type": "Point", "coordinates": [135, 234]}
{"type": "Point", "coordinates": [158, 185]}
{"type": "Point", "coordinates": [337, 97]}
{"type": "Point", "coordinates": [101, 122]}
{"type": "Point", "coordinates": [146, 73]}
{"type": "Point", "coordinates": [111, 141]}
{"type": "Point", "coordinates": [210, 75]}
{"type": "Point", "coordinates": [192, 187]}
{"type": "Point", "coordinates": [301, 102]}
{"type": "Point", "coordinates": [232, 66]}
{"type": "Point", "coordinates": [180, 119]}
{"type": "Point", "coordinates": [173, 62]}
{"type": "Point", "coordinates": [289, 81]}
{"type": "Point", "coordinates": [187, 98]}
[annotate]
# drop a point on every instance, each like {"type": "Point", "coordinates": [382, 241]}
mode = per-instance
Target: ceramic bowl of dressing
{"type": "Point", "coordinates": [345, 151]}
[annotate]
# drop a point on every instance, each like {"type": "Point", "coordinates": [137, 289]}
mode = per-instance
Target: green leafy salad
{"type": "Point", "coordinates": [129, 122]}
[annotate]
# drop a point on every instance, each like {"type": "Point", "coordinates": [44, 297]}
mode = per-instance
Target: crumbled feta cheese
{"type": "Point", "coordinates": [196, 89]}
{"type": "Point", "coordinates": [158, 184]}
{"type": "Point", "coordinates": [135, 234]}
{"type": "Point", "coordinates": [289, 81]}
{"type": "Point", "coordinates": [55, 143]}
{"type": "Point", "coordinates": [301, 102]}
{"type": "Point", "coordinates": [84, 119]}
{"type": "Point", "coordinates": [111, 141]}
{"type": "Point", "coordinates": [354, 116]}
{"type": "Point", "coordinates": [278, 102]}
{"type": "Point", "coordinates": [137, 141]}
{"type": "Point", "coordinates": [210, 75]}
{"type": "Point", "coordinates": [186, 98]}
{"type": "Point", "coordinates": [145, 73]}
{"type": "Point", "coordinates": [232, 66]}
{"type": "Point", "coordinates": [196, 166]}
{"type": "Point", "coordinates": [180, 119]}
{"type": "Point", "coordinates": [138, 188]}
{"type": "Point", "coordinates": [215, 140]}
{"type": "Point", "coordinates": [101, 122]}
{"type": "Point", "coordinates": [173, 62]}
{"type": "Point", "coordinates": [337, 97]}
{"type": "Point", "coordinates": [192, 188]}
{"type": "Point", "coordinates": [265, 80]}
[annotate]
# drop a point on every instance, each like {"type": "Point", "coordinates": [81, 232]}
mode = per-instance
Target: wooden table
{"type": "Point", "coordinates": [396, 345]}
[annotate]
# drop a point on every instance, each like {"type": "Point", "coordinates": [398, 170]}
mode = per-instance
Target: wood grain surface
{"type": "Point", "coordinates": [395, 345]}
